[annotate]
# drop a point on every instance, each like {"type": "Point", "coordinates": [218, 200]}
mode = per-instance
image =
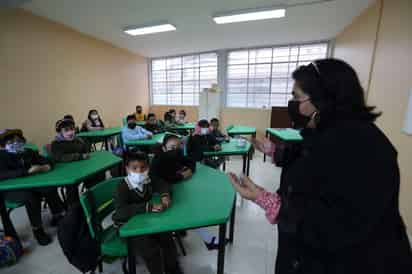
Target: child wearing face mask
{"type": "Point", "coordinates": [181, 118]}
{"type": "Point", "coordinates": [139, 115]}
{"type": "Point", "coordinates": [202, 141]}
{"type": "Point", "coordinates": [16, 161]}
{"type": "Point", "coordinates": [133, 196]}
{"type": "Point", "coordinates": [66, 147]}
{"type": "Point", "coordinates": [169, 164]}
{"type": "Point", "coordinates": [133, 132]}
{"type": "Point", "coordinates": [153, 125]}
{"type": "Point", "coordinates": [93, 122]}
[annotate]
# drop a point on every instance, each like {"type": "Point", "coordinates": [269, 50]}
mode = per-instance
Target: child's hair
{"type": "Point", "coordinates": [169, 137]}
{"type": "Point", "coordinates": [130, 117]}
{"type": "Point", "coordinates": [64, 123]}
{"type": "Point", "coordinates": [138, 106]}
{"type": "Point", "coordinates": [172, 110]}
{"type": "Point", "coordinates": [150, 115]}
{"type": "Point", "coordinates": [214, 120]}
{"type": "Point", "coordinates": [68, 117]}
{"type": "Point", "coordinates": [182, 112]}
{"type": "Point", "coordinates": [135, 155]}
{"type": "Point", "coordinates": [167, 117]}
{"type": "Point", "coordinates": [203, 123]}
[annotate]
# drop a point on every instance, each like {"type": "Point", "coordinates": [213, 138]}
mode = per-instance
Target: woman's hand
{"type": "Point", "coordinates": [245, 187]}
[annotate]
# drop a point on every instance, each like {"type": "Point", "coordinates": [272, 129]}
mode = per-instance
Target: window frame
{"type": "Point", "coordinates": [150, 74]}
{"type": "Point", "coordinates": [329, 48]}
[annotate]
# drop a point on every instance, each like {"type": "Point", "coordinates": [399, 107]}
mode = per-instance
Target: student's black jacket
{"type": "Point", "coordinates": [17, 165]}
{"type": "Point", "coordinates": [166, 166]}
{"type": "Point", "coordinates": [340, 205]}
{"type": "Point", "coordinates": [198, 144]}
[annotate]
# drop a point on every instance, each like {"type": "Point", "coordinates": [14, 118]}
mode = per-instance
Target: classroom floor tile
{"type": "Point", "coordinates": [253, 251]}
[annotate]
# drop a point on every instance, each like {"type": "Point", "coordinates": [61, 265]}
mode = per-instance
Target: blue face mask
{"type": "Point", "coordinates": [15, 147]}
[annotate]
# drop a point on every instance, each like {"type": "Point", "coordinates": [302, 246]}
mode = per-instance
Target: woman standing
{"type": "Point", "coordinates": [337, 206]}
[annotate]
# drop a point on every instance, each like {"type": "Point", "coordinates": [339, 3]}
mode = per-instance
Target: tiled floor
{"type": "Point", "coordinates": [253, 251]}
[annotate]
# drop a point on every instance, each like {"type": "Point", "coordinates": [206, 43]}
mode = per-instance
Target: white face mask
{"type": "Point", "coordinates": [94, 116]}
{"type": "Point", "coordinates": [204, 131]}
{"type": "Point", "coordinates": [138, 180]}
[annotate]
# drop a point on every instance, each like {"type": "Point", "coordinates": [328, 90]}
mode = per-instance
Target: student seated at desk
{"type": "Point", "coordinates": [202, 141]}
{"type": "Point", "coordinates": [215, 131]}
{"type": "Point", "coordinates": [70, 117]}
{"type": "Point", "coordinates": [153, 125]}
{"type": "Point", "coordinates": [16, 161]}
{"type": "Point", "coordinates": [93, 122]}
{"type": "Point", "coordinates": [66, 147]}
{"type": "Point", "coordinates": [139, 115]}
{"type": "Point", "coordinates": [133, 196]}
{"type": "Point", "coordinates": [169, 164]}
{"type": "Point", "coordinates": [181, 118]}
{"type": "Point", "coordinates": [133, 132]}
{"type": "Point", "coordinates": [169, 120]}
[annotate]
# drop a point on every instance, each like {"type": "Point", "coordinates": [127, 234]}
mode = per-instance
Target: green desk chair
{"type": "Point", "coordinates": [97, 204]}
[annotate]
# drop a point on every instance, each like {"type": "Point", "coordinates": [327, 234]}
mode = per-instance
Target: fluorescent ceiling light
{"type": "Point", "coordinates": [149, 29]}
{"type": "Point", "coordinates": [250, 16]}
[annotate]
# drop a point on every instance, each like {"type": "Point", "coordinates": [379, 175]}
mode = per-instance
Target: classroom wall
{"type": "Point", "coordinates": [48, 70]}
{"type": "Point", "coordinates": [356, 43]}
{"type": "Point", "coordinates": [390, 83]}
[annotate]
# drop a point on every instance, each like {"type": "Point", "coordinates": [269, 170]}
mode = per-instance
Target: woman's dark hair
{"type": "Point", "coordinates": [203, 123]}
{"type": "Point", "coordinates": [335, 90]}
{"type": "Point", "coordinates": [167, 117]}
{"type": "Point", "coordinates": [135, 155]}
{"type": "Point", "coordinates": [172, 110]}
{"type": "Point", "coordinates": [150, 115]}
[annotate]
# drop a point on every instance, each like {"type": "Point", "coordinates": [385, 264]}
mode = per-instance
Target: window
{"type": "Point", "coordinates": [258, 78]}
{"type": "Point", "coordinates": [178, 80]}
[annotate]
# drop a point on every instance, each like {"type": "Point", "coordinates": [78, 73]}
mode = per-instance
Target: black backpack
{"type": "Point", "coordinates": [74, 237]}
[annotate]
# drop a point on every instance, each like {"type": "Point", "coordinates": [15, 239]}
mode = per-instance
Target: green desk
{"type": "Point", "coordinates": [101, 135]}
{"type": "Point", "coordinates": [31, 146]}
{"type": "Point", "coordinates": [156, 139]}
{"type": "Point", "coordinates": [231, 149]}
{"type": "Point", "coordinates": [61, 175]}
{"type": "Point", "coordinates": [241, 130]}
{"type": "Point", "coordinates": [188, 126]}
{"type": "Point", "coordinates": [283, 135]}
{"type": "Point", "coordinates": [206, 199]}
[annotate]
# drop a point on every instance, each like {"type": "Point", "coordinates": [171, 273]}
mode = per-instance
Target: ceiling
{"type": "Point", "coordinates": [196, 31]}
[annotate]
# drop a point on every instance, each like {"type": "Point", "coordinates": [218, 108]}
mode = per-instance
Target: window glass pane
{"type": "Point", "coordinates": [191, 74]}
{"type": "Point", "coordinates": [174, 75]}
{"type": "Point", "coordinates": [259, 71]}
{"type": "Point", "coordinates": [260, 56]}
{"type": "Point", "coordinates": [174, 63]}
{"type": "Point", "coordinates": [281, 54]}
{"type": "Point", "coordinates": [238, 57]}
{"type": "Point", "coordinates": [237, 86]}
{"type": "Point", "coordinates": [237, 100]}
{"type": "Point", "coordinates": [237, 72]}
{"type": "Point", "coordinates": [259, 85]}
{"type": "Point", "coordinates": [191, 61]}
{"type": "Point", "coordinates": [208, 59]}
{"type": "Point", "coordinates": [159, 64]}
{"type": "Point", "coordinates": [208, 73]}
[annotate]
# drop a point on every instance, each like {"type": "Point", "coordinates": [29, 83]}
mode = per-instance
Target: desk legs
{"type": "Point", "coordinates": [248, 162]}
{"type": "Point", "coordinates": [232, 222]}
{"type": "Point", "coordinates": [222, 249]}
{"type": "Point", "coordinates": [8, 226]}
{"type": "Point", "coordinates": [244, 163]}
{"type": "Point", "coordinates": [131, 257]}
{"type": "Point", "coordinates": [264, 154]}
{"type": "Point", "coordinates": [106, 143]}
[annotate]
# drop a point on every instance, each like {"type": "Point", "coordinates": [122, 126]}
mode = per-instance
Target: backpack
{"type": "Point", "coordinates": [81, 250]}
{"type": "Point", "coordinates": [10, 251]}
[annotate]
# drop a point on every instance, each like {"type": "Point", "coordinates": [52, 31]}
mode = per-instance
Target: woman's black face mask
{"type": "Point", "coordinates": [298, 119]}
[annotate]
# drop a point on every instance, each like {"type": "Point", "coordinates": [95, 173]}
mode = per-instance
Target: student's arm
{"type": "Point", "coordinates": [145, 132]}
{"type": "Point", "coordinates": [13, 173]}
{"type": "Point", "coordinates": [124, 209]}
{"type": "Point", "coordinates": [159, 185]}
{"type": "Point", "coordinates": [189, 162]}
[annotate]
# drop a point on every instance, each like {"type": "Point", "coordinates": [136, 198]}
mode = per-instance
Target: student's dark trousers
{"type": "Point", "coordinates": [32, 200]}
{"type": "Point", "coordinates": [158, 252]}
